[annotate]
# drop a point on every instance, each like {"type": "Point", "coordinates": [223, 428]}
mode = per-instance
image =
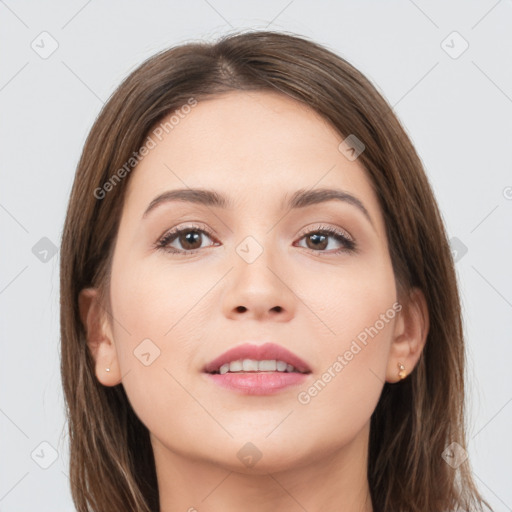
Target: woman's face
{"type": "Point", "coordinates": [254, 270]}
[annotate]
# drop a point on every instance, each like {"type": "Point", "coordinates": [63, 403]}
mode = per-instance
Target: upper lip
{"type": "Point", "coordinates": [267, 351]}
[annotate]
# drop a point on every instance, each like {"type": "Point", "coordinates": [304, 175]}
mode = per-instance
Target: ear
{"type": "Point", "coordinates": [99, 336]}
{"type": "Point", "coordinates": [409, 336]}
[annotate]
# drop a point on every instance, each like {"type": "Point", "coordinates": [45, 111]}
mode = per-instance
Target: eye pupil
{"type": "Point", "coordinates": [191, 238]}
{"type": "Point", "coordinates": [318, 241]}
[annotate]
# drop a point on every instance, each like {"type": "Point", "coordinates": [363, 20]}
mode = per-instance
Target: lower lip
{"type": "Point", "coordinates": [258, 383]}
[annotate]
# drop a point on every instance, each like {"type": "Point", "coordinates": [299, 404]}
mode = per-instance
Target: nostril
{"type": "Point", "coordinates": [241, 309]}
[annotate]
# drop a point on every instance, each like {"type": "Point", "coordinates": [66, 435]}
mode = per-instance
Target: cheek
{"type": "Point", "coordinates": [155, 298]}
{"type": "Point", "coordinates": [351, 302]}
{"type": "Point", "coordinates": [152, 309]}
{"type": "Point", "coordinates": [357, 312]}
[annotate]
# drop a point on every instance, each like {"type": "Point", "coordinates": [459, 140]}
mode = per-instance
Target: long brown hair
{"type": "Point", "coordinates": [111, 459]}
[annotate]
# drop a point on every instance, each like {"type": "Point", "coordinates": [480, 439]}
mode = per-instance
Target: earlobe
{"type": "Point", "coordinates": [99, 337]}
{"type": "Point", "coordinates": [409, 338]}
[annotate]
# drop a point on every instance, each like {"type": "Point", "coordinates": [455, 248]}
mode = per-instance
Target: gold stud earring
{"type": "Point", "coordinates": [401, 371]}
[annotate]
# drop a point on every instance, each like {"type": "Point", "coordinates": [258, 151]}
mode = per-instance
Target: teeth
{"type": "Point", "coordinates": [252, 365]}
{"type": "Point", "coordinates": [249, 365]}
{"type": "Point", "coordinates": [281, 366]}
{"type": "Point", "coordinates": [266, 366]}
{"type": "Point", "coordinates": [235, 366]}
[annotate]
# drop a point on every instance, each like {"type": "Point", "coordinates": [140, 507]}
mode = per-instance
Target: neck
{"type": "Point", "coordinates": [329, 481]}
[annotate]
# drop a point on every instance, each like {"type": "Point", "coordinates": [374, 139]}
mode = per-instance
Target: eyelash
{"type": "Point", "coordinates": [340, 236]}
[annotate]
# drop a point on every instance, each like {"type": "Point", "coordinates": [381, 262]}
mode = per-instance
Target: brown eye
{"type": "Point", "coordinates": [190, 239]}
{"type": "Point", "coordinates": [184, 240]}
{"type": "Point", "coordinates": [319, 240]}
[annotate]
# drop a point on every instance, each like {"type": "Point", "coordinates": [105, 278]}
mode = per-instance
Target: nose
{"type": "Point", "coordinates": [260, 290]}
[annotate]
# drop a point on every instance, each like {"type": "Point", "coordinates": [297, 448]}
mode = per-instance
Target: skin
{"type": "Point", "coordinates": [256, 148]}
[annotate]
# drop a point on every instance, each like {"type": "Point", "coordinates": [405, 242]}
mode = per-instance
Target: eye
{"type": "Point", "coordinates": [318, 240]}
{"type": "Point", "coordinates": [190, 238]}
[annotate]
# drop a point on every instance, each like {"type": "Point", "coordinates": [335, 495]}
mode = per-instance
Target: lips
{"type": "Point", "coordinates": [267, 351]}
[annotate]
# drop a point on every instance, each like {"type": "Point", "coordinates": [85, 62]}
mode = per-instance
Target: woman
{"type": "Point", "coordinates": [259, 307]}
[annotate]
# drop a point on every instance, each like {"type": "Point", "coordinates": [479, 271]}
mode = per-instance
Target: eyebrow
{"type": "Point", "coordinates": [299, 199]}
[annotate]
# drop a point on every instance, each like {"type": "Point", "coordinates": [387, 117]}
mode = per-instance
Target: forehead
{"type": "Point", "coordinates": [247, 144]}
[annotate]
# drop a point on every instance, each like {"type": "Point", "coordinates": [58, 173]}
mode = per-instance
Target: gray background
{"type": "Point", "coordinates": [456, 107]}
